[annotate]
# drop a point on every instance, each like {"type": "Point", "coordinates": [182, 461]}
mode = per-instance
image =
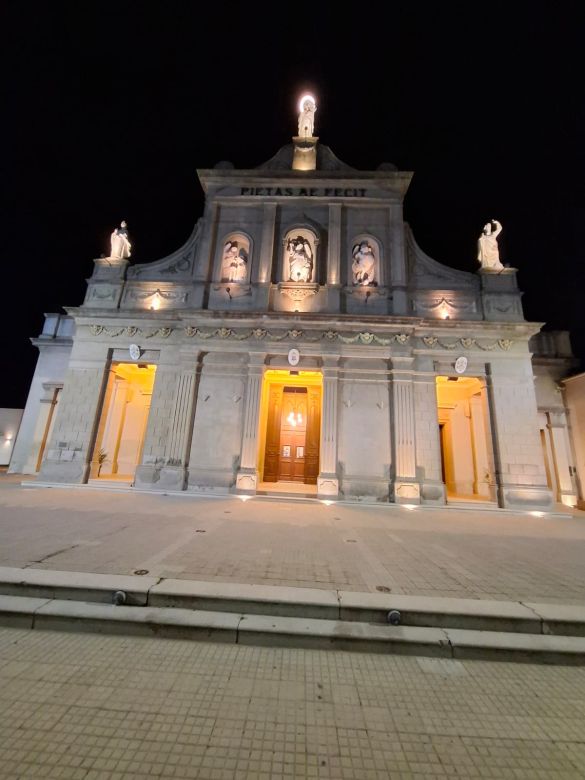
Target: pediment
{"type": "Point", "coordinates": [426, 273]}
{"type": "Point", "coordinates": [177, 266]}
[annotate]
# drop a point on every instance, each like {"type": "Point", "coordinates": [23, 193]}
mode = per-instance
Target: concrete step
{"type": "Point", "coordinates": [338, 605]}
{"type": "Point", "coordinates": [267, 630]}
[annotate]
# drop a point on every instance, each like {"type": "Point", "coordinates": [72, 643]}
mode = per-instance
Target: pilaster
{"type": "Point", "coordinates": [406, 487]}
{"type": "Point", "coordinates": [398, 260]}
{"type": "Point", "coordinates": [170, 469]}
{"type": "Point", "coordinates": [328, 480]}
{"type": "Point", "coordinates": [558, 433]}
{"type": "Point", "coordinates": [247, 476]}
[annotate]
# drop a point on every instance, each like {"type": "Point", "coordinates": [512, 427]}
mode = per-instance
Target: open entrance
{"type": "Point", "coordinates": [291, 422]}
{"type": "Point", "coordinates": [123, 419]}
{"type": "Point", "coordinates": [467, 458]}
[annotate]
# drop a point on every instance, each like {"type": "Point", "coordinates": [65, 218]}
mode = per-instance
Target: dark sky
{"type": "Point", "coordinates": [109, 109]}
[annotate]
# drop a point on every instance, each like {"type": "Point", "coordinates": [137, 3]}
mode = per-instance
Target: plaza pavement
{"type": "Point", "coordinates": [89, 707]}
{"type": "Point", "coordinates": [94, 707]}
{"type": "Point", "coordinates": [430, 552]}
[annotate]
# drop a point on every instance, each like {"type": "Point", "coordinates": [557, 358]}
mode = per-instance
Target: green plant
{"type": "Point", "coordinates": [101, 459]}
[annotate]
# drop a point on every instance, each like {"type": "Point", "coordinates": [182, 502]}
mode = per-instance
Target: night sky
{"type": "Point", "coordinates": [109, 109]}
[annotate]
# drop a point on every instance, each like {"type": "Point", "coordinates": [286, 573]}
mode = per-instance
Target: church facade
{"type": "Point", "coordinates": [300, 338]}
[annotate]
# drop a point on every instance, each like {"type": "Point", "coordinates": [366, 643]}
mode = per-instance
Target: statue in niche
{"type": "Point", "coordinates": [488, 254]}
{"type": "Point", "coordinates": [234, 262]}
{"type": "Point", "coordinates": [300, 259]}
{"type": "Point", "coordinates": [307, 116]}
{"type": "Point", "coordinates": [120, 244]}
{"type": "Point", "coordinates": [364, 264]}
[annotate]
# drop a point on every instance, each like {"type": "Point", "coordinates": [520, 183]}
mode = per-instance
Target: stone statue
{"type": "Point", "coordinates": [488, 253]}
{"type": "Point", "coordinates": [121, 245]}
{"type": "Point", "coordinates": [300, 259]}
{"type": "Point", "coordinates": [364, 264]}
{"type": "Point", "coordinates": [307, 116]}
{"type": "Point", "coordinates": [234, 263]}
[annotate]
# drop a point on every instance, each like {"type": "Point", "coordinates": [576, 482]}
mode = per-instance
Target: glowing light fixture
{"type": "Point", "coordinates": [537, 514]}
{"type": "Point", "coordinates": [327, 502]}
{"type": "Point", "coordinates": [155, 305]}
{"type": "Point", "coordinates": [244, 498]}
{"type": "Point", "coordinates": [410, 507]}
{"type": "Point", "coordinates": [302, 101]}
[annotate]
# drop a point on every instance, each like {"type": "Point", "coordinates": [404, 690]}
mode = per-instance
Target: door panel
{"type": "Point", "coordinates": [272, 452]}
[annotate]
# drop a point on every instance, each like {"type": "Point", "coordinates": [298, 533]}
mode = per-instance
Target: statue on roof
{"type": "Point", "coordinates": [488, 253]}
{"type": "Point", "coordinates": [120, 242]}
{"type": "Point", "coordinates": [307, 107]}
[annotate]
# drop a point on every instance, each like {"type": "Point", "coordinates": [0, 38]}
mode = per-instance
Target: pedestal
{"type": "Point", "coordinates": [305, 153]}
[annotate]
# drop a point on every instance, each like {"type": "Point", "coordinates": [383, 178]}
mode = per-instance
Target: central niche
{"type": "Point", "coordinates": [300, 256]}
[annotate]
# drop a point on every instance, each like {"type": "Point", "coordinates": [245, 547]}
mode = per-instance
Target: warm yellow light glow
{"type": "Point", "coordinates": [302, 101]}
{"type": "Point", "coordinates": [327, 502]}
{"type": "Point", "coordinates": [244, 498]}
{"type": "Point", "coordinates": [537, 514]}
{"type": "Point", "coordinates": [155, 305]}
{"type": "Point", "coordinates": [410, 507]}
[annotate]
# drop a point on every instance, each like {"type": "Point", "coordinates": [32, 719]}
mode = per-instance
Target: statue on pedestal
{"type": "Point", "coordinates": [307, 108]}
{"type": "Point", "coordinates": [300, 259]}
{"type": "Point", "coordinates": [364, 264]}
{"type": "Point", "coordinates": [121, 245]}
{"type": "Point", "coordinates": [488, 254]}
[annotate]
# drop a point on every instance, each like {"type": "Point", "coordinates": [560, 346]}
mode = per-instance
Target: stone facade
{"type": "Point", "coordinates": [291, 241]}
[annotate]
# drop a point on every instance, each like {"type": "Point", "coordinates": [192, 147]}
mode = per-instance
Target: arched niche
{"type": "Point", "coordinates": [234, 260]}
{"type": "Point", "coordinates": [364, 262]}
{"type": "Point", "coordinates": [299, 256]}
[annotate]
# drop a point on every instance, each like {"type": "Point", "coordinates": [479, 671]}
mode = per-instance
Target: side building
{"type": "Point", "coordinates": [300, 339]}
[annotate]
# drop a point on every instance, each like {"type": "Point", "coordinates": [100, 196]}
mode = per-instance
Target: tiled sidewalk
{"type": "Point", "coordinates": [434, 552]}
{"type": "Point", "coordinates": [89, 707]}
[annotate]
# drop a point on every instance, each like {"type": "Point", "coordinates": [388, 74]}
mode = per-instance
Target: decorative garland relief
{"type": "Point", "coordinates": [364, 337]}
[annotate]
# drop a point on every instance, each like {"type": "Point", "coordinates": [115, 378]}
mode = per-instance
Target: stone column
{"type": "Point", "coordinates": [557, 428]}
{"type": "Point", "coordinates": [247, 476]}
{"type": "Point", "coordinates": [397, 261]}
{"type": "Point", "coordinates": [406, 488]}
{"type": "Point", "coordinates": [328, 481]}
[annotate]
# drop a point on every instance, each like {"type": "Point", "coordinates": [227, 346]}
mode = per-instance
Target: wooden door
{"type": "Point", "coordinates": [272, 451]}
{"type": "Point", "coordinates": [313, 435]}
{"type": "Point", "coordinates": [293, 427]}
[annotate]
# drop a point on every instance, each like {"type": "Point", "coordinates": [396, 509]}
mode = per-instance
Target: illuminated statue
{"type": "Point", "coordinates": [307, 108]}
{"type": "Point", "coordinates": [364, 264]}
{"type": "Point", "coordinates": [300, 259]}
{"type": "Point", "coordinates": [121, 245]}
{"type": "Point", "coordinates": [488, 253]}
{"type": "Point", "coordinates": [234, 263]}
